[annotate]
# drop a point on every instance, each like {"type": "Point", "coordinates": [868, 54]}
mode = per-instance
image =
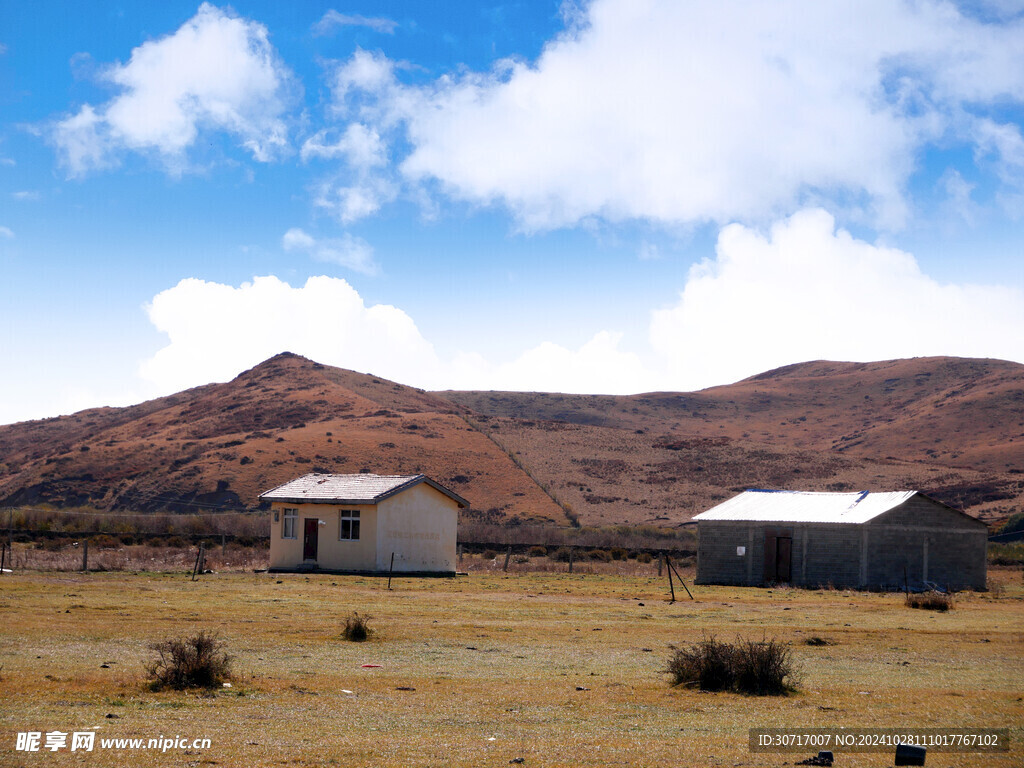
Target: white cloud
{"type": "Point", "coordinates": [347, 251]}
{"type": "Point", "coordinates": [215, 331]}
{"type": "Point", "coordinates": [804, 291]}
{"type": "Point", "coordinates": [217, 72]}
{"type": "Point", "coordinates": [350, 202]}
{"type": "Point", "coordinates": [808, 292]}
{"type": "Point", "coordinates": [26, 195]}
{"type": "Point", "coordinates": [704, 111]}
{"type": "Point", "coordinates": [359, 145]}
{"type": "Point", "coordinates": [598, 367]}
{"type": "Point", "coordinates": [332, 20]}
{"type": "Point", "coordinates": [6, 232]}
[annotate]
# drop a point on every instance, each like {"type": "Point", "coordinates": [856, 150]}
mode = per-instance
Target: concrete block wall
{"type": "Point", "coordinates": [929, 540]}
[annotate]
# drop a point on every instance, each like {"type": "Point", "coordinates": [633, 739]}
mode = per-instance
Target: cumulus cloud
{"type": "Point", "coordinates": [360, 145]}
{"type": "Point", "coordinates": [215, 331]}
{"type": "Point", "coordinates": [347, 251]}
{"type": "Point", "coordinates": [705, 111]}
{"type": "Point", "coordinates": [217, 72]}
{"type": "Point", "coordinates": [6, 232]}
{"type": "Point", "coordinates": [332, 20]}
{"type": "Point", "coordinates": [808, 291]}
{"type": "Point", "coordinates": [597, 367]}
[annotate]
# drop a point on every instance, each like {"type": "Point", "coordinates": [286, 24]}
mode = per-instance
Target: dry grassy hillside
{"type": "Point", "coordinates": [223, 444]}
{"type": "Point", "coordinates": [950, 427]}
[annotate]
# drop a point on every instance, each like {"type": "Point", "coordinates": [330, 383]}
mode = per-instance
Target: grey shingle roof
{"type": "Point", "coordinates": [351, 489]}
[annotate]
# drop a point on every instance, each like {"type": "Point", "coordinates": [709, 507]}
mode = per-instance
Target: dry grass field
{"type": "Point", "coordinates": [553, 668]}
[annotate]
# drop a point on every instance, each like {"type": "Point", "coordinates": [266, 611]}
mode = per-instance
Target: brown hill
{"type": "Point", "coordinates": [951, 427]}
{"type": "Point", "coordinates": [222, 444]}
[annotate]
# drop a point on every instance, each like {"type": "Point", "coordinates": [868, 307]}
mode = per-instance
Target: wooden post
{"type": "Point", "coordinates": [85, 555]}
{"type": "Point", "coordinates": [670, 586]}
{"type": "Point", "coordinates": [460, 554]}
{"type": "Point", "coordinates": [195, 568]}
{"type": "Point", "coordinates": [659, 567]}
{"type": "Point", "coordinates": [10, 540]}
{"type": "Point", "coordinates": [508, 555]}
{"type": "Point", "coordinates": [572, 555]}
{"type": "Point", "coordinates": [673, 568]}
{"type": "Point", "coordinates": [223, 544]}
{"type": "Point", "coordinates": [906, 585]}
{"type": "Point", "coordinates": [391, 569]}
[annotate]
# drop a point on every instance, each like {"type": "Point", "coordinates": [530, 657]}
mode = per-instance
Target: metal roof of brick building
{"type": "Point", "coordinates": [806, 506]}
{"type": "Point", "coordinates": [351, 489]}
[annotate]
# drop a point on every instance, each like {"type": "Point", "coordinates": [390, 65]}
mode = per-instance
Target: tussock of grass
{"type": "Point", "coordinates": [357, 628]}
{"type": "Point", "coordinates": [196, 661]}
{"type": "Point", "coordinates": [932, 601]}
{"type": "Point", "coordinates": [758, 667]}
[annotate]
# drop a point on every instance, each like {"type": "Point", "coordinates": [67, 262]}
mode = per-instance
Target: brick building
{"type": "Point", "coordinates": [866, 540]}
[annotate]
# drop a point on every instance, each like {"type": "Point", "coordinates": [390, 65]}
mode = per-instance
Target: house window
{"type": "Point", "coordinates": [348, 528]}
{"type": "Point", "coordinates": [291, 517]}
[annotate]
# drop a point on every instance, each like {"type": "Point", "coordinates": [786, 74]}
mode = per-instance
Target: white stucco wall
{"type": "Point", "coordinates": [419, 525]}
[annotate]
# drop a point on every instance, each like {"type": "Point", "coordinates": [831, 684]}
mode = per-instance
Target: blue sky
{"type": "Point", "coordinates": [613, 196]}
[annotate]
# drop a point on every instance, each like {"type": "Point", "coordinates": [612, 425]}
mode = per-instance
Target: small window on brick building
{"type": "Point", "coordinates": [348, 525]}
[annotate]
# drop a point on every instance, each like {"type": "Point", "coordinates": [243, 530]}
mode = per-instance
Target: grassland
{"type": "Point", "coordinates": [557, 669]}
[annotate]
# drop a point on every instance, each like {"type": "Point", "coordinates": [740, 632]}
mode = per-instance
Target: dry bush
{"type": "Point", "coordinates": [196, 661]}
{"type": "Point", "coordinates": [757, 667]}
{"type": "Point", "coordinates": [357, 628]}
{"type": "Point", "coordinates": [932, 601]}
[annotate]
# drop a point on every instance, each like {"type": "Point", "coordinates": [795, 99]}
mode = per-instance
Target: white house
{"type": "Point", "coordinates": [356, 523]}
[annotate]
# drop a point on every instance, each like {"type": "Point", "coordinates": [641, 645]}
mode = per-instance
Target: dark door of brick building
{"type": "Point", "coordinates": [778, 557]}
{"type": "Point", "coordinates": [309, 539]}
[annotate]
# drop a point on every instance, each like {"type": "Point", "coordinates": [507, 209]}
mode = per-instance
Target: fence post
{"type": "Point", "coordinates": [508, 554]}
{"type": "Point", "coordinates": [199, 557]}
{"type": "Point", "coordinates": [223, 544]}
{"type": "Point", "coordinates": [391, 570]}
{"type": "Point", "coordinates": [85, 556]}
{"type": "Point", "coordinates": [572, 556]}
{"type": "Point", "coordinates": [669, 569]}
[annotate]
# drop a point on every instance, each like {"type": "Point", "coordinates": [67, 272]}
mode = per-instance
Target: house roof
{"type": "Point", "coordinates": [806, 506]}
{"type": "Point", "coordinates": [351, 489]}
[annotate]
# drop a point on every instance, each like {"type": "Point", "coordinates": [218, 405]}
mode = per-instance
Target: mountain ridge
{"type": "Point", "coordinates": [952, 427]}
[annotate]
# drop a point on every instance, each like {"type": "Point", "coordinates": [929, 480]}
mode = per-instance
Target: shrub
{"type": "Point", "coordinates": [489, 554]}
{"type": "Point", "coordinates": [560, 555]}
{"type": "Point", "coordinates": [932, 601]}
{"type": "Point", "coordinates": [357, 628]}
{"type": "Point", "coordinates": [762, 667]}
{"type": "Point", "coordinates": [600, 555]}
{"type": "Point", "coordinates": [1011, 553]}
{"type": "Point", "coordinates": [176, 541]}
{"type": "Point", "coordinates": [197, 661]}
{"type": "Point", "coordinates": [644, 557]}
{"type": "Point", "coordinates": [759, 667]}
{"type": "Point", "coordinates": [1013, 524]}
{"type": "Point", "coordinates": [706, 665]}
{"type": "Point", "coordinates": [538, 552]}
{"type": "Point", "coordinates": [618, 553]}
